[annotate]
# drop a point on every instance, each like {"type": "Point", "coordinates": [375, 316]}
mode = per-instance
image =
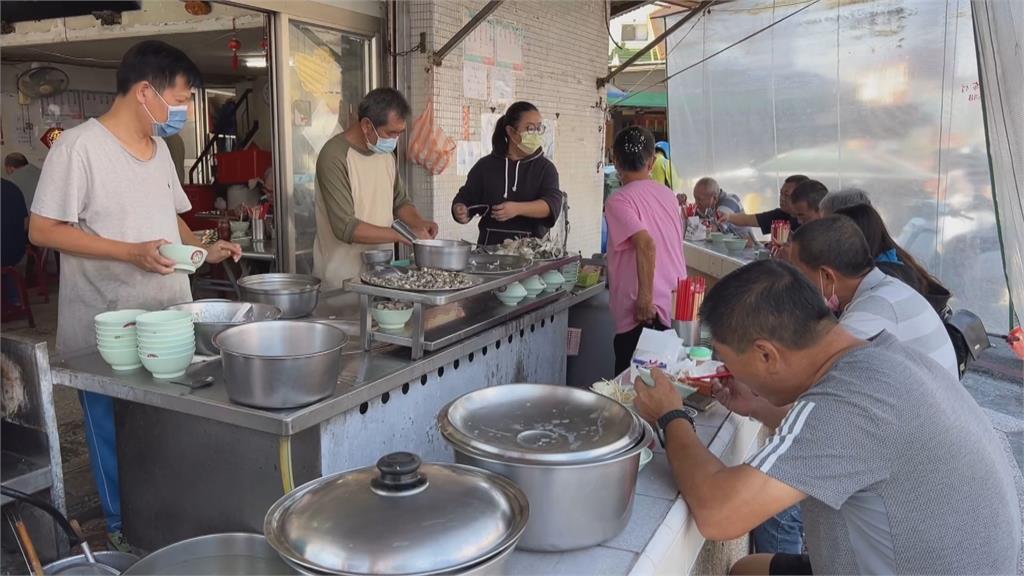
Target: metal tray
{"type": "Point", "coordinates": [496, 264]}
{"type": "Point", "coordinates": [376, 278]}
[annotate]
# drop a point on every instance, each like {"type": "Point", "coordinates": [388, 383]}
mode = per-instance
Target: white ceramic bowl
{"type": "Point", "coordinates": [117, 318]}
{"type": "Point", "coordinates": [166, 367]}
{"type": "Point", "coordinates": [391, 319]}
{"type": "Point", "coordinates": [121, 359]}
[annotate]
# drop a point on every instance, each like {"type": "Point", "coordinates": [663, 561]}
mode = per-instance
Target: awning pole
{"type": "Point", "coordinates": [601, 82]}
{"type": "Point", "coordinates": [437, 57]}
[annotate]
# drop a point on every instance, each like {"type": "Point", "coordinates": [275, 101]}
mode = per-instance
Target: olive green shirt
{"type": "Point", "coordinates": [338, 166]}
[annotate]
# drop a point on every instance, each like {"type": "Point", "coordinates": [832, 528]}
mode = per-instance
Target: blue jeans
{"type": "Point", "coordinates": [99, 433]}
{"type": "Point", "coordinates": [782, 533]}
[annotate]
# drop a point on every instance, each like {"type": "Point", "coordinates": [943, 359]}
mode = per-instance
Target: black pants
{"type": "Point", "coordinates": [625, 344]}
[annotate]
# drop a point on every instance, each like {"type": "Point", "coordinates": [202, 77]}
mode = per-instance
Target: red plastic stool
{"type": "Point", "coordinates": [11, 312]}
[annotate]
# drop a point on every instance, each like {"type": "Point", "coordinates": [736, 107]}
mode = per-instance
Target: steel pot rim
{"type": "Point", "coordinates": [275, 311]}
{"type": "Point", "coordinates": [511, 540]}
{"type": "Point", "coordinates": [253, 283]}
{"type": "Point", "coordinates": [633, 450]}
{"type": "Point", "coordinates": [333, 350]}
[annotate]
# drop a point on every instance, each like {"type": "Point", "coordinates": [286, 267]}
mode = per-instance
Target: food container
{"type": "Point", "coordinates": [511, 294]}
{"type": "Point", "coordinates": [231, 554]}
{"type": "Point", "coordinates": [575, 454]}
{"type": "Point", "coordinates": [295, 294]}
{"type": "Point", "coordinates": [391, 315]}
{"type": "Point", "coordinates": [211, 317]}
{"type": "Point", "coordinates": [376, 258]}
{"type": "Point", "coordinates": [442, 254]}
{"type": "Point", "coordinates": [735, 244]}
{"type": "Point", "coordinates": [281, 364]}
{"type": "Point", "coordinates": [699, 354]}
{"type": "Point", "coordinates": [400, 517]}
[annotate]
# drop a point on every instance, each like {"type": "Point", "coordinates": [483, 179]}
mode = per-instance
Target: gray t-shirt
{"type": "Point", "coordinates": [91, 181]}
{"type": "Point", "coordinates": [902, 470]}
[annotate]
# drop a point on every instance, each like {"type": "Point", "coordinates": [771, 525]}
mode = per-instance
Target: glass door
{"type": "Point", "coordinates": [325, 75]}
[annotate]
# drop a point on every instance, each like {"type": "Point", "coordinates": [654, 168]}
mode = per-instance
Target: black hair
{"type": "Point", "coordinates": [836, 242]}
{"type": "Point", "coordinates": [880, 241]}
{"type": "Point", "coordinates": [796, 179]}
{"type": "Point", "coordinates": [809, 191]}
{"type": "Point", "coordinates": [379, 103]}
{"type": "Point", "coordinates": [766, 300]}
{"type": "Point", "coordinates": [633, 148]}
{"type": "Point", "coordinates": [511, 117]}
{"type": "Point", "coordinates": [15, 160]}
{"type": "Point", "coordinates": [158, 63]}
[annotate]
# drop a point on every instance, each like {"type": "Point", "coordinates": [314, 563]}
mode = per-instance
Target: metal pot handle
{"type": "Point", "coordinates": [399, 475]}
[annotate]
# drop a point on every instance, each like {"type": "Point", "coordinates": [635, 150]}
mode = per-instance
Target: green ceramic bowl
{"type": "Point", "coordinates": [717, 237]}
{"type": "Point", "coordinates": [116, 342]}
{"type": "Point", "coordinates": [166, 335]}
{"type": "Point", "coordinates": [121, 334]}
{"type": "Point", "coordinates": [534, 285]}
{"type": "Point", "coordinates": [117, 318]}
{"type": "Point", "coordinates": [169, 352]}
{"type": "Point", "coordinates": [193, 256]}
{"type": "Point", "coordinates": [554, 280]}
{"type": "Point", "coordinates": [736, 244]}
{"type": "Point", "coordinates": [167, 366]}
{"type": "Point", "coordinates": [510, 300]}
{"type": "Point", "coordinates": [121, 359]}
{"type": "Point", "coordinates": [391, 319]}
{"type": "Point", "coordinates": [165, 346]}
{"type": "Point", "coordinates": [150, 319]}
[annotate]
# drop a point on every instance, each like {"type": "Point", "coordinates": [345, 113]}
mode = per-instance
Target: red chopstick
{"type": "Point", "coordinates": [725, 374]}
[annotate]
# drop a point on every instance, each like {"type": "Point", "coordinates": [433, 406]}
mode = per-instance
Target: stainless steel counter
{"type": "Point", "coordinates": [714, 260]}
{"type": "Point", "coordinates": [364, 375]}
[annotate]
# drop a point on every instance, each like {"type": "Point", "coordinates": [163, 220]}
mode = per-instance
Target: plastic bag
{"type": "Point", "coordinates": [429, 146]}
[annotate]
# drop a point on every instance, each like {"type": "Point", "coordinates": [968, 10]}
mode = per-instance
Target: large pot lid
{"type": "Point", "coordinates": [400, 517]}
{"type": "Point", "coordinates": [540, 423]}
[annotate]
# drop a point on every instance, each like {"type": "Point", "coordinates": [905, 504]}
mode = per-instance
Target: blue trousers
{"type": "Point", "coordinates": [99, 433]}
{"type": "Point", "coordinates": [782, 533]}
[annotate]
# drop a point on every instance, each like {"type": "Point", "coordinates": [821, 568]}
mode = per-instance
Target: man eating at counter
{"type": "Point", "coordinates": [359, 191]}
{"type": "Point", "coordinates": [763, 220]}
{"type": "Point", "coordinates": [107, 199]}
{"type": "Point", "coordinates": [898, 471]}
{"type": "Point", "coordinates": [715, 203]}
{"type": "Point", "coordinates": [806, 200]}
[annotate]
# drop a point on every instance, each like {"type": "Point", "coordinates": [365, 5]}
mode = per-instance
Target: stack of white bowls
{"type": "Point", "coordinates": [571, 273]}
{"type": "Point", "coordinates": [167, 342]}
{"type": "Point", "coordinates": [116, 338]}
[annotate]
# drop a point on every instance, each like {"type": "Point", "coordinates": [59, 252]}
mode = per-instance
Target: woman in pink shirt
{"type": "Point", "coordinates": [645, 245]}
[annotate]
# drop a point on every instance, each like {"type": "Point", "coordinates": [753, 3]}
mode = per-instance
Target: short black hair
{"type": "Point", "coordinates": [15, 160]}
{"type": "Point", "coordinates": [511, 117]}
{"type": "Point", "coordinates": [158, 63]}
{"type": "Point", "coordinates": [809, 191]}
{"type": "Point", "coordinates": [836, 242]}
{"type": "Point", "coordinates": [633, 148]}
{"type": "Point", "coordinates": [796, 179]}
{"type": "Point", "coordinates": [766, 300]}
{"type": "Point", "coordinates": [379, 103]}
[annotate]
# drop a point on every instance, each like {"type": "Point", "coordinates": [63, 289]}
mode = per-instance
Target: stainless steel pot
{"type": "Point", "coordinates": [442, 254]}
{"type": "Point", "coordinates": [226, 554]}
{"type": "Point", "coordinates": [575, 456]}
{"type": "Point", "coordinates": [400, 517]}
{"type": "Point", "coordinates": [282, 364]}
{"type": "Point", "coordinates": [211, 317]}
{"type": "Point", "coordinates": [295, 294]}
{"type": "Point", "coordinates": [80, 566]}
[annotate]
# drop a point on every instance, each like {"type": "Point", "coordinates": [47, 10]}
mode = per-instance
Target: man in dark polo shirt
{"type": "Point", "coordinates": [763, 220]}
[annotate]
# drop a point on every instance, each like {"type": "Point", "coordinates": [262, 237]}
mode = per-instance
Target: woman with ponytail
{"type": "Point", "coordinates": [514, 189]}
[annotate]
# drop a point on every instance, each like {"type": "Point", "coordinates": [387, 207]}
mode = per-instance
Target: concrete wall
{"type": "Point", "coordinates": [564, 51]}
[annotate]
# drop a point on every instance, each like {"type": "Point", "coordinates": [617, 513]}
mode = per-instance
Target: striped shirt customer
{"type": "Point", "coordinates": [834, 255]}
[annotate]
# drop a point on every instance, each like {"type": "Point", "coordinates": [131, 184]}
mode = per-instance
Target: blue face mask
{"type": "Point", "coordinates": [177, 116]}
{"type": "Point", "coordinates": [383, 145]}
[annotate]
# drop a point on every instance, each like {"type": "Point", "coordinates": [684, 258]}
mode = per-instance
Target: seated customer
{"type": "Point", "coordinates": [716, 204]}
{"type": "Point", "coordinates": [763, 220]}
{"type": "Point", "coordinates": [898, 262]}
{"type": "Point", "coordinates": [834, 201]}
{"type": "Point", "coordinates": [832, 252]}
{"type": "Point", "coordinates": [898, 471]}
{"type": "Point", "coordinates": [805, 202]}
{"type": "Point", "coordinates": [645, 245]}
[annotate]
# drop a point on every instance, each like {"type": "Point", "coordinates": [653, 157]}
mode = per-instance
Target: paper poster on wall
{"type": "Point", "coordinates": [503, 86]}
{"type": "Point", "coordinates": [474, 80]}
{"type": "Point", "coordinates": [487, 122]}
{"type": "Point", "coordinates": [467, 117]}
{"type": "Point", "coordinates": [550, 133]}
{"type": "Point", "coordinates": [467, 154]}
{"type": "Point", "coordinates": [479, 45]}
{"type": "Point", "coordinates": [508, 45]}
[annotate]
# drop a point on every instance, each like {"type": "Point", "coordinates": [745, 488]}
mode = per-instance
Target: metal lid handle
{"type": "Point", "coordinates": [399, 475]}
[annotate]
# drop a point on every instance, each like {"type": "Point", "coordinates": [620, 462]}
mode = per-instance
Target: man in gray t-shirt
{"type": "Point", "coordinates": [898, 471]}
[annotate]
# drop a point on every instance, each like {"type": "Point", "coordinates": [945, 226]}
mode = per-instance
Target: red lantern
{"type": "Point", "coordinates": [51, 136]}
{"type": "Point", "coordinates": [235, 45]}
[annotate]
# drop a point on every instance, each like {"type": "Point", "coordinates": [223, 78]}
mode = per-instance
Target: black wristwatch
{"type": "Point", "coordinates": [668, 417]}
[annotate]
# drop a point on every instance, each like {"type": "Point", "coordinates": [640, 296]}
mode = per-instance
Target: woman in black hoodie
{"type": "Point", "coordinates": [514, 189]}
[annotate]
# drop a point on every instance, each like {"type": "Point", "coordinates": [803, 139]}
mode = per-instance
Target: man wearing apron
{"type": "Point", "coordinates": [359, 192]}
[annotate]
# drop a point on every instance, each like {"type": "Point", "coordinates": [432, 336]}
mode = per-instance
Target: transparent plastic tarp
{"type": "Point", "coordinates": [877, 94]}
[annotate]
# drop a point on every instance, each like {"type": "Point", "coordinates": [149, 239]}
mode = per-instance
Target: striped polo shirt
{"type": "Point", "coordinates": [885, 303]}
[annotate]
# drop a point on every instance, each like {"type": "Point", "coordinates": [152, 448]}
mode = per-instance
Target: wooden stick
{"type": "Point", "coordinates": [30, 548]}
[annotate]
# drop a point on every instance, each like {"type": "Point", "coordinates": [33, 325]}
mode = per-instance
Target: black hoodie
{"type": "Point", "coordinates": [495, 179]}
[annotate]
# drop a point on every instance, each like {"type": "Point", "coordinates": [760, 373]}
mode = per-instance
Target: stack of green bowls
{"type": "Point", "coordinates": [167, 342]}
{"type": "Point", "coordinates": [571, 273]}
{"type": "Point", "coordinates": [116, 338]}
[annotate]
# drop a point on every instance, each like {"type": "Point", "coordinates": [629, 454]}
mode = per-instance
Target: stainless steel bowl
{"type": "Point", "coordinates": [228, 554]}
{"type": "Point", "coordinates": [211, 317]}
{"type": "Point", "coordinates": [282, 364]}
{"type": "Point", "coordinates": [379, 257]}
{"type": "Point", "coordinates": [442, 254]}
{"type": "Point", "coordinates": [295, 294]}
